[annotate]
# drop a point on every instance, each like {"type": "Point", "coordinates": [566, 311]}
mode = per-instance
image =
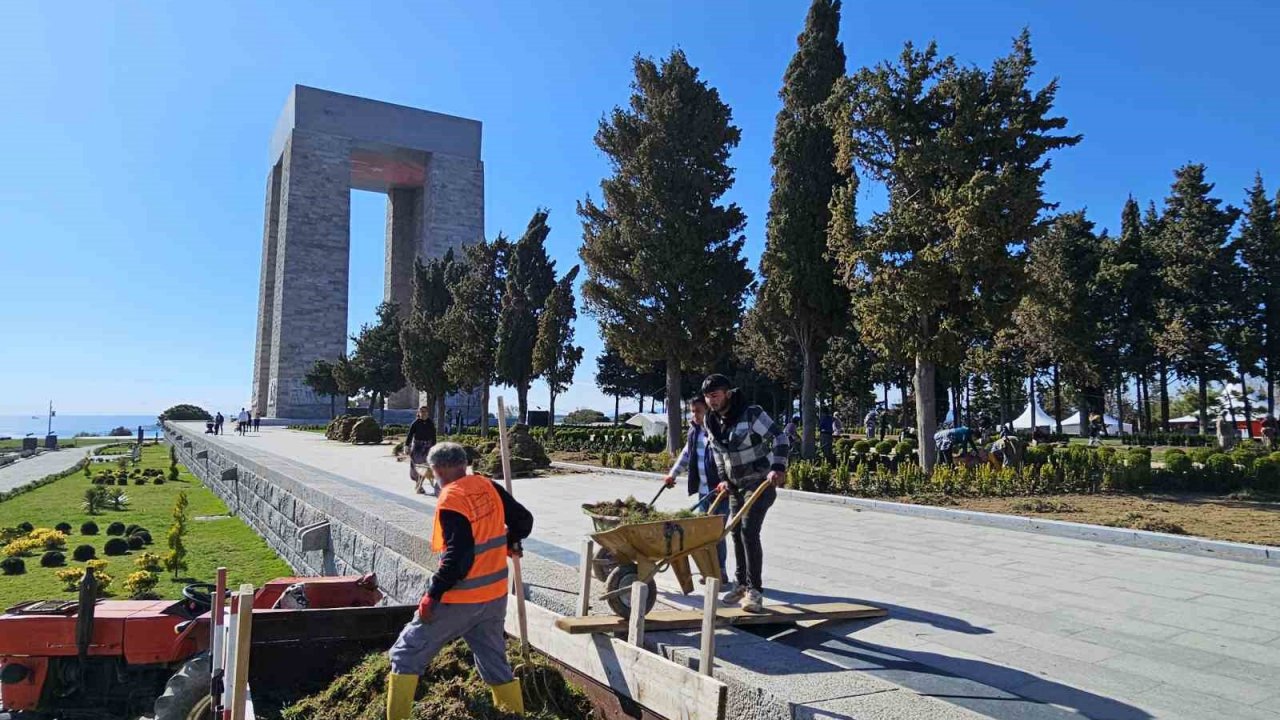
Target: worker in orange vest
{"type": "Point", "coordinates": [477, 525]}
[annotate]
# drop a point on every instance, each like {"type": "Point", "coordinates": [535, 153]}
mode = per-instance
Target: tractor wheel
{"type": "Point", "coordinates": [186, 695]}
{"type": "Point", "coordinates": [623, 576]}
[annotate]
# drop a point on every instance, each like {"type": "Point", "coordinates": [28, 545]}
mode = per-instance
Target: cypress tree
{"type": "Point", "coordinates": [1258, 244]}
{"type": "Point", "coordinates": [665, 274]}
{"type": "Point", "coordinates": [797, 276]}
{"type": "Point", "coordinates": [531, 275]}
{"type": "Point", "coordinates": [422, 337]}
{"type": "Point", "coordinates": [555, 357]}
{"type": "Point", "coordinates": [471, 322]}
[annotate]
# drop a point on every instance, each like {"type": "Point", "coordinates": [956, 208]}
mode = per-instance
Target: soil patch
{"type": "Point", "coordinates": [1216, 518]}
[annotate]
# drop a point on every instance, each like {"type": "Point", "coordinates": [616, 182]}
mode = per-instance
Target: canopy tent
{"type": "Point", "coordinates": [652, 424]}
{"type": "Point", "coordinates": [1071, 425]}
{"type": "Point", "coordinates": [1042, 419]}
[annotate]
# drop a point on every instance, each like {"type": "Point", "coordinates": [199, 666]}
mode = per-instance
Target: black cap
{"type": "Point", "coordinates": [716, 381]}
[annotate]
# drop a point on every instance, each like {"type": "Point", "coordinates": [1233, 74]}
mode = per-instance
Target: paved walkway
{"type": "Point", "coordinates": [17, 474]}
{"type": "Point", "coordinates": [1010, 624]}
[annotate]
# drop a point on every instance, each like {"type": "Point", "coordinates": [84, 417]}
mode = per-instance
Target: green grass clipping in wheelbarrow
{"type": "Point", "coordinates": [631, 511]}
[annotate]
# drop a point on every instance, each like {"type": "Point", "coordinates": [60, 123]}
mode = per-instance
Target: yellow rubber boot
{"type": "Point", "coordinates": [508, 697]}
{"type": "Point", "coordinates": [400, 690]}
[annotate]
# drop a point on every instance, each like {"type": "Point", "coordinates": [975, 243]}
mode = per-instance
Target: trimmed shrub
{"type": "Point", "coordinates": [885, 447]}
{"type": "Point", "coordinates": [1201, 455]}
{"type": "Point", "coordinates": [139, 480]}
{"type": "Point", "coordinates": [115, 528]}
{"type": "Point", "coordinates": [89, 528]}
{"type": "Point", "coordinates": [116, 546]}
{"type": "Point", "coordinates": [366, 431]}
{"type": "Point", "coordinates": [1036, 455]}
{"type": "Point", "coordinates": [861, 448]}
{"type": "Point", "coordinates": [1178, 464]}
{"type": "Point", "coordinates": [904, 449]}
{"type": "Point", "coordinates": [1220, 472]}
{"type": "Point", "coordinates": [1266, 475]}
{"type": "Point", "coordinates": [159, 479]}
{"type": "Point", "coordinates": [132, 528]}
{"type": "Point", "coordinates": [26, 527]}
{"type": "Point", "coordinates": [83, 553]}
{"type": "Point", "coordinates": [53, 558]}
{"type": "Point", "coordinates": [148, 561]}
{"type": "Point", "coordinates": [141, 582]}
{"type": "Point", "coordinates": [64, 528]}
{"type": "Point", "coordinates": [13, 566]}
{"type": "Point", "coordinates": [135, 542]}
{"type": "Point", "coordinates": [146, 536]}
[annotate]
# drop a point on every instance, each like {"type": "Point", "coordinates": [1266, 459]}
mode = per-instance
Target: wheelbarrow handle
{"type": "Point", "coordinates": [716, 503]}
{"type": "Point", "coordinates": [746, 507]}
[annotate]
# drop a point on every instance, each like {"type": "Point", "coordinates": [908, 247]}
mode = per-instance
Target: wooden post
{"type": "Point", "coordinates": [517, 586]}
{"type": "Point", "coordinates": [229, 658]}
{"type": "Point", "coordinates": [240, 671]}
{"type": "Point", "coordinates": [217, 640]}
{"type": "Point", "coordinates": [584, 588]}
{"type": "Point", "coordinates": [710, 603]}
{"type": "Point", "coordinates": [639, 599]}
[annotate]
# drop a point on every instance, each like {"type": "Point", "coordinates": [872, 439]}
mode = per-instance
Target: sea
{"type": "Point", "coordinates": [67, 426]}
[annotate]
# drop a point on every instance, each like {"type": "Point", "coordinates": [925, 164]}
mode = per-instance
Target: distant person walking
{"type": "Point", "coordinates": [872, 417]}
{"type": "Point", "coordinates": [217, 424]}
{"type": "Point", "coordinates": [422, 435]}
{"type": "Point", "coordinates": [242, 421]}
{"type": "Point", "coordinates": [257, 421]}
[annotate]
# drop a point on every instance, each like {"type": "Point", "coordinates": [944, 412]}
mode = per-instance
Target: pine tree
{"type": "Point", "coordinates": [423, 338]}
{"type": "Point", "coordinates": [531, 275]}
{"type": "Point", "coordinates": [1258, 244]}
{"type": "Point", "coordinates": [348, 377]}
{"type": "Point", "coordinates": [665, 273]}
{"type": "Point", "coordinates": [1196, 269]}
{"type": "Point", "coordinates": [320, 379]}
{"type": "Point", "coordinates": [471, 322]}
{"type": "Point", "coordinates": [1135, 267]}
{"type": "Point", "coordinates": [797, 276]}
{"type": "Point", "coordinates": [378, 354]}
{"type": "Point", "coordinates": [615, 377]}
{"type": "Point", "coordinates": [555, 357]}
{"type": "Point", "coordinates": [175, 561]}
{"type": "Point", "coordinates": [961, 152]}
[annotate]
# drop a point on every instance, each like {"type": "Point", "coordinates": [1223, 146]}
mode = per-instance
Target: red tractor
{"type": "Point", "coordinates": [118, 659]}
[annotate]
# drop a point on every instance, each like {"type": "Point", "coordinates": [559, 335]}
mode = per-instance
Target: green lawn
{"type": "Point", "coordinates": [227, 542]}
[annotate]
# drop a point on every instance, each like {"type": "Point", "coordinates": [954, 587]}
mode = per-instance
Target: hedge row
{"type": "Point", "coordinates": [578, 439]}
{"type": "Point", "coordinates": [1049, 470]}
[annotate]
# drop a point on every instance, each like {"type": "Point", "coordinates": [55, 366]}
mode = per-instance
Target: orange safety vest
{"type": "Point", "coordinates": [475, 498]}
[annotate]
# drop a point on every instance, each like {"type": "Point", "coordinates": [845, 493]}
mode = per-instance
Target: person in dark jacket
{"type": "Point", "coordinates": [478, 525]}
{"type": "Point", "coordinates": [750, 450]}
{"type": "Point", "coordinates": [422, 435]}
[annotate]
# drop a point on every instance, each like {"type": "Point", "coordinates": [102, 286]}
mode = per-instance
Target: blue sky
{"type": "Point", "coordinates": [136, 140]}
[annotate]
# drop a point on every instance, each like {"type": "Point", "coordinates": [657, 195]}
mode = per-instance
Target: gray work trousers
{"type": "Point", "coordinates": [479, 624]}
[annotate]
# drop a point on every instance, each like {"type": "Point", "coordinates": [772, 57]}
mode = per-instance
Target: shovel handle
{"type": "Point", "coordinates": [742, 512]}
{"type": "Point", "coordinates": [655, 497]}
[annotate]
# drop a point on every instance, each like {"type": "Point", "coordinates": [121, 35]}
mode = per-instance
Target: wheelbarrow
{"type": "Point", "coordinates": [641, 551]}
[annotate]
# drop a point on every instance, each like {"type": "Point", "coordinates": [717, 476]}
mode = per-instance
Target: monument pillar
{"type": "Point", "coordinates": [404, 234]}
{"type": "Point", "coordinates": [312, 258]}
{"type": "Point", "coordinates": [266, 294]}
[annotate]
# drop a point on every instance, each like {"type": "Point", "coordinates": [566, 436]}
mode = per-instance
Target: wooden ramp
{"type": "Point", "coordinates": [692, 619]}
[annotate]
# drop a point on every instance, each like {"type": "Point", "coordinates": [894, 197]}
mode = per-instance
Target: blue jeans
{"type": "Point", "coordinates": [723, 511]}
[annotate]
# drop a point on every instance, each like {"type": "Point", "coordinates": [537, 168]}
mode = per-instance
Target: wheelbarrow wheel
{"type": "Point", "coordinates": [624, 576]}
{"type": "Point", "coordinates": [603, 564]}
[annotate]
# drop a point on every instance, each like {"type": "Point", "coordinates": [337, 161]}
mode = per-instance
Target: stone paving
{"type": "Point", "coordinates": [1009, 624]}
{"type": "Point", "coordinates": [17, 474]}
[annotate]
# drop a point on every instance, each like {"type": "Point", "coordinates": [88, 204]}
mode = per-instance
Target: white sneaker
{"type": "Point", "coordinates": [733, 596]}
{"type": "Point", "coordinates": [755, 602]}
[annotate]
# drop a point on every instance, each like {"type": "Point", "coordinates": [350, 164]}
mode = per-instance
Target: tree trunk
{"type": "Point", "coordinates": [1057, 401]}
{"type": "Point", "coordinates": [441, 425]}
{"type": "Point", "coordinates": [808, 400]}
{"type": "Point", "coordinates": [332, 399]}
{"type": "Point", "coordinates": [1142, 424]}
{"type": "Point", "coordinates": [1164, 398]}
{"type": "Point", "coordinates": [484, 411]}
{"type": "Point", "coordinates": [1031, 395]}
{"type": "Point", "coordinates": [926, 412]}
{"type": "Point", "coordinates": [1248, 413]}
{"type": "Point", "coordinates": [522, 400]}
{"type": "Point", "coordinates": [1119, 405]}
{"type": "Point", "coordinates": [673, 406]}
{"type": "Point", "coordinates": [1271, 391]}
{"type": "Point", "coordinates": [617, 400]}
{"type": "Point", "coordinates": [1204, 404]}
{"type": "Point", "coordinates": [1082, 402]}
{"type": "Point", "coordinates": [551, 416]}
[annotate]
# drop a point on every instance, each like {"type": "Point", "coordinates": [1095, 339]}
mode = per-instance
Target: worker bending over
{"type": "Point", "coordinates": [477, 525]}
{"type": "Point", "coordinates": [954, 442]}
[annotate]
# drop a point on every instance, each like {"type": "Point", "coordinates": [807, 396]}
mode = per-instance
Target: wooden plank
{"type": "Point", "coordinates": [692, 619]}
{"type": "Point", "coordinates": [710, 605]}
{"type": "Point", "coordinates": [665, 688]}
{"type": "Point", "coordinates": [635, 628]}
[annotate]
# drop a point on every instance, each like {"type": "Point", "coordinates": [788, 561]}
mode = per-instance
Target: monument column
{"type": "Point", "coordinates": [266, 294]}
{"type": "Point", "coordinates": [312, 259]}
{"type": "Point", "coordinates": [404, 222]}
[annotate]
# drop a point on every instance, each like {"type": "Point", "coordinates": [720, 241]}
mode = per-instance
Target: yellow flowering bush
{"type": "Point", "coordinates": [140, 582]}
{"type": "Point", "coordinates": [148, 561]}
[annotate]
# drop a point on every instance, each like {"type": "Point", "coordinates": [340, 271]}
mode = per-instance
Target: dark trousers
{"type": "Point", "coordinates": [723, 511]}
{"type": "Point", "coordinates": [747, 551]}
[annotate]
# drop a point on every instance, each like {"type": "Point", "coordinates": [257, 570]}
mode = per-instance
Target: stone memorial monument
{"type": "Point", "coordinates": [325, 144]}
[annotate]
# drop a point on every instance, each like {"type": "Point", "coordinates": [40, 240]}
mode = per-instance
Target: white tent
{"type": "Point", "coordinates": [1071, 426]}
{"type": "Point", "coordinates": [1042, 419]}
{"type": "Point", "coordinates": [653, 424]}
